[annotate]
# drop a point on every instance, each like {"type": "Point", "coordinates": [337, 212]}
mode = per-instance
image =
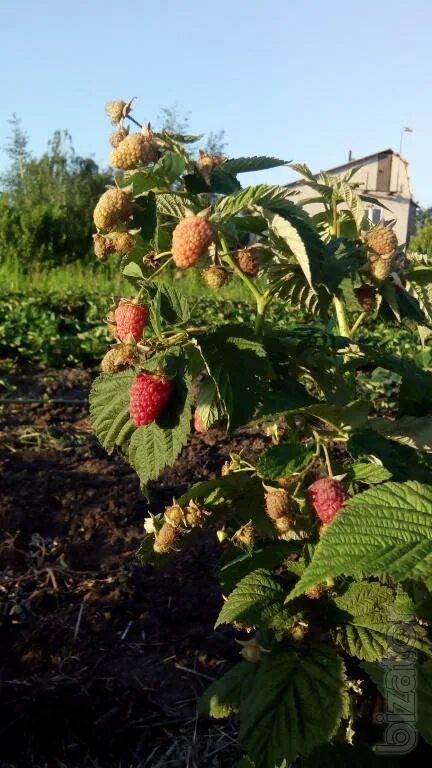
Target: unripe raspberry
{"type": "Point", "coordinates": [278, 503]}
{"type": "Point", "coordinates": [382, 240]}
{"type": "Point", "coordinates": [366, 297]}
{"type": "Point", "coordinates": [191, 238]}
{"type": "Point", "coordinates": [245, 536]}
{"type": "Point", "coordinates": [251, 650]}
{"type": "Point", "coordinates": [115, 110]}
{"type": "Point", "coordinates": [119, 358]}
{"type": "Point", "coordinates": [118, 136]}
{"type": "Point", "coordinates": [215, 277]}
{"type": "Point", "coordinates": [194, 515]}
{"type": "Point", "coordinates": [283, 524]}
{"type": "Point", "coordinates": [247, 262]}
{"type": "Point", "coordinates": [198, 422]}
{"type": "Point", "coordinates": [314, 593]}
{"type": "Point", "coordinates": [102, 247]}
{"type": "Point", "coordinates": [111, 324]}
{"type": "Point", "coordinates": [381, 267]}
{"type": "Point", "coordinates": [206, 163]}
{"type": "Point", "coordinates": [174, 515]}
{"type": "Point", "coordinates": [130, 318]}
{"type": "Point", "coordinates": [133, 151]}
{"type": "Point", "coordinates": [149, 395]}
{"type": "Point", "coordinates": [122, 242]}
{"type": "Point", "coordinates": [167, 539]}
{"type": "Point", "coordinates": [326, 497]}
{"type": "Point", "coordinates": [113, 208]}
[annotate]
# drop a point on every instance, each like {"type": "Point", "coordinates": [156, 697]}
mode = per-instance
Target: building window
{"type": "Point", "coordinates": [374, 215]}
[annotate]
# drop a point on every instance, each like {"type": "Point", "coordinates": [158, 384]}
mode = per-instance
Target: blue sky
{"type": "Point", "coordinates": [304, 80]}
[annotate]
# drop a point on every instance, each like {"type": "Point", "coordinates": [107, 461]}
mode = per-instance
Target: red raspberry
{"type": "Point", "coordinates": [191, 238]}
{"type": "Point", "coordinates": [131, 319]}
{"type": "Point", "coordinates": [326, 497]}
{"type": "Point", "coordinates": [148, 396]}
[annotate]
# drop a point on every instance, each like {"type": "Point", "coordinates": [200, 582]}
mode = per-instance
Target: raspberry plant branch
{"type": "Point", "coordinates": [327, 533]}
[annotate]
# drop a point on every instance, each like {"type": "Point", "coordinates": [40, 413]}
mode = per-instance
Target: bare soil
{"type": "Point", "coordinates": [101, 659]}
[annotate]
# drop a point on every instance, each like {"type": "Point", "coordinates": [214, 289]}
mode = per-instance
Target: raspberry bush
{"type": "Point", "coordinates": [327, 538]}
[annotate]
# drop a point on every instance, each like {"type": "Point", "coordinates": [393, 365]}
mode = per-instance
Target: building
{"type": "Point", "coordinates": [384, 176]}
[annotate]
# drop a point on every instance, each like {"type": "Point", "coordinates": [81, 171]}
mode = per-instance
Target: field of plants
{"type": "Point", "coordinates": [225, 558]}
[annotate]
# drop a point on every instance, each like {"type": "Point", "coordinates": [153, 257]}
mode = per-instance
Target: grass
{"type": "Point", "coordinates": [103, 279]}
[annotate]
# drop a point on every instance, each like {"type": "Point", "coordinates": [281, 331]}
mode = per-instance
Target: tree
{"type": "Point", "coordinates": [44, 201]}
{"type": "Point", "coordinates": [421, 242]}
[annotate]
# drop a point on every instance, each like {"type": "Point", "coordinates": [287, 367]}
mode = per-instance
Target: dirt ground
{"type": "Point", "coordinates": [101, 659]}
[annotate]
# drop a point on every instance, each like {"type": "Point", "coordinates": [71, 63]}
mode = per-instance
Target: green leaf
{"type": "Point", "coordinates": [296, 702]}
{"type": "Point", "coordinates": [263, 194]}
{"type": "Point", "coordinates": [283, 460]}
{"type": "Point", "coordinates": [173, 205]}
{"type": "Point", "coordinates": [223, 697]}
{"type": "Point", "coordinates": [291, 235]}
{"type": "Point", "coordinates": [255, 600]}
{"type": "Point", "coordinates": [256, 163]}
{"type": "Point", "coordinates": [145, 216]}
{"type": "Point", "coordinates": [351, 416]}
{"type": "Point", "coordinates": [157, 445]}
{"type": "Point", "coordinates": [109, 408]}
{"type": "Point", "coordinates": [409, 430]}
{"type": "Point", "coordinates": [368, 633]}
{"type": "Point", "coordinates": [402, 461]}
{"type": "Point", "coordinates": [133, 270]}
{"type": "Point", "coordinates": [227, 356]}
{"type": "Point", "coordinates": [148, 449]}
{"type": "Point", "coordinates": [386, 529]}
{"type": "Point", "coordinates": [173, 305]}
{"type": "Point", "coordinates": [370, 474]}
{"type": "Point", "coordinates": [389, 686]}
{"type": "Point", "coordinates": [208, 403]}
{"type": "Point", "coordinates": [143, 182]}
{"type": "Point", "coordinates": [169, 167]}
{"type": "Point", "coordinates": [268, 558]}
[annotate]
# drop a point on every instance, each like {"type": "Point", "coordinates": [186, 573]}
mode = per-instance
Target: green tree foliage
{"type": "Point", "coordinates": [44, 201]}
{"type": "Point", "coordinates": [422, 240]}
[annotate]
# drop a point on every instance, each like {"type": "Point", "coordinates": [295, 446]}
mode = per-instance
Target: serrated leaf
{"type": "Point", "coordinates": [157, 445]}
{"type": "Point", "coordinates": [386, 529]}
{"type": "Point", "coordinates": [409, 430]}
{"type": "Point", "coordinates": [223, 697]}
{"type": "Point", "coordinates": [208, 403]}
{"type": "Point", "coordinates": [370, 474]}
{"type": "Point", "coordinates": [239, 567]}
{"type": "Point", "coordinates": [388, 685]}
{"type": "Point", "coordinates": [109, 407]}
{"type": "Point", "coordinates": [174, 306]}
{"type": "Point", "coordinates": [371, 628]}
{"type": "Point", "coordinates": [133, 270]}
{"type": "Point", "coordinates": [402, 461]}
{"type": "Point", "coordinates": [172, 205]}
{"type": "Point", "coordinates": [239, 394]}
{"type": "Point", "coordinates": [255, 163]}
{"type": "Point", "coordinates": [282, 460]}
{"type": "Point", "coordinates": [296, 702]}
{"type": "Point", "coordinates": [169, 167]}
{"type": "Point", "coordinates": [261, 194]}
{"type": "Point", "coordinates": [350, 416]}
{"type": "Point", "coordinates": [256, 599]}
{"type": "Point", "coordinates": [286, 231]}
{"type": "Point", "coordinates": [145, 217]}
